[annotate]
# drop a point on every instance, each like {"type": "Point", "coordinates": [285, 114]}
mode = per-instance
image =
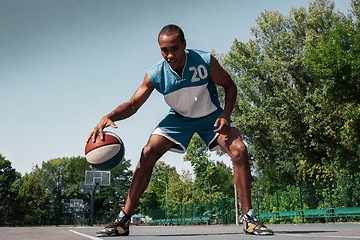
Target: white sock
{"type": "Point", "coordinates": [251, 213]}
{"type": "Point", "coordinates": [121, 214]}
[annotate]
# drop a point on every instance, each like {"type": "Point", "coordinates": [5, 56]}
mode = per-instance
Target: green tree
{"type": "Point", "coordinates": [75, 172]}
{"type": "Point", "coordinates": [222, 176]}
{"type": "Point", "coordinates": [10, 209]}
{"type": "Point", "coordinates": [197, 154]}
{"type": "Point", "coordinates": [181, 189]}
{"type": "Point", "coordinates": [334, 61]}
{"type": "Point", "coordinates": [35, 200]}
{"type": "Point", "coordinates": [282, 108]}
{"type": "Point", "coordinates": [112, 197]}
{"type": "Point", "coordinates": [213, 179]}
{"type": "Point", "coordinates": [157, 195]}
{"type": "Point", "coordinates": [43, 189]}
{"type": "Point", "coordinates": [54, 180]}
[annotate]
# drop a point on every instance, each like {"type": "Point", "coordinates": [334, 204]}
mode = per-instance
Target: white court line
{"type": "Point", "coordinates": [319, 235]}
{"type": "Point", "coordinates": [81, 227]}
{"type": "Point", "coordinates": [84, 235]}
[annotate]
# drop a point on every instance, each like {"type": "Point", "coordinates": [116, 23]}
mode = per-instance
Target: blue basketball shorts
{"type": "Point", "coordinates": [180, 129]}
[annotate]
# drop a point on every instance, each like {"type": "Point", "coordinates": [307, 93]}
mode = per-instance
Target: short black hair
{"type": "Point", "coordinates": [170, 29]}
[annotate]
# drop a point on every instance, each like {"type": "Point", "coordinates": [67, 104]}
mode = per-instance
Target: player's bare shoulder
{"type": "Point", "coordinates": [218, 74]}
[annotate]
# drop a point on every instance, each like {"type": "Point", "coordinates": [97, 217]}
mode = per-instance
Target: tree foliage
{"type": "Point", "coordinates": [37, 197]}
{"type": "Point", "coordinates": [298, 94]}
{"type": "Point", "coordinates": [112, 197]}
{"type": "Point", "coordinates": [167, 188]}
{"type": "Point", "coordinates": [8, 192]}
{"type": "Point", "coordinates": [160, 190]}
{"type": "Point", "coordinates": [44, 188]}
{"type": "Point", "coordinates": [213, 179]}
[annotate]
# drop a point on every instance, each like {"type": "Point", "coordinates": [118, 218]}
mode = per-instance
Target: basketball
{"type": "Point", "coordinates": [105, 154]}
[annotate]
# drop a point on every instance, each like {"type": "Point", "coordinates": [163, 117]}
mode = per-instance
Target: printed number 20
{"type": "Point", "coordinates": [199, 73]}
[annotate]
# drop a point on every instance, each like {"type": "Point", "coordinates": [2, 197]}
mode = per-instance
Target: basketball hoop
{"type": "Point", "coordinates": [92, 183]}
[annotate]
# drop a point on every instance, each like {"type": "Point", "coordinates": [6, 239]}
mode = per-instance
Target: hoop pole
{"type": "Point", "coordinates": [92, 194]}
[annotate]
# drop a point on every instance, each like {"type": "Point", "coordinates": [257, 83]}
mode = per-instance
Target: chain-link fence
{"type": "Point", "coordinates": [316, 202]}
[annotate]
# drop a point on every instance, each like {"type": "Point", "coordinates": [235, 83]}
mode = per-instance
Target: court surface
{"type": "Point", "coordinates": [282, 231]}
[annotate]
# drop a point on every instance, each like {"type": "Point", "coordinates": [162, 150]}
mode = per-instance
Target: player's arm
{"type": "Point", "coordinates": [129, 108]}
{"type": "Point", "coordinates": [125, 110]}
{"type": "Point", "coordinates": [222, 78]}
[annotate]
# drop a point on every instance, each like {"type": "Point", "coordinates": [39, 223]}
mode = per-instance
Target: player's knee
{"type": "Point", "coordinates": [239, 154]}
{"type": "Point", "coordinates": [149, 154]}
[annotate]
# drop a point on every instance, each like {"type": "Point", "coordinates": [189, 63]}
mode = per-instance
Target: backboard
{"type": "Point", "coordinates": [101, 178]}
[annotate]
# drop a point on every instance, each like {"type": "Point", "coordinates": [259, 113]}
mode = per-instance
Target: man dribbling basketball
{"type": "Point", "coordinates": [187, 79]}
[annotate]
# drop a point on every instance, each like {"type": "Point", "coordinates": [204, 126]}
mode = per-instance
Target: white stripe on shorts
{"type": "Point", "coordinates": [158, 131]}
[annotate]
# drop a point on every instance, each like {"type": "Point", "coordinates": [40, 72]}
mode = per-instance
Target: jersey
{"type": "Point", "coordinates": [194, 95]}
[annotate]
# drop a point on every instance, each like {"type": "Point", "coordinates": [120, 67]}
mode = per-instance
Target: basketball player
{"type": "Point", "coordinates": [187, 79]}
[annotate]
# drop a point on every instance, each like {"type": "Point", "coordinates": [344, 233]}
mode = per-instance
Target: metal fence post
{"type": "Point", "coordinates": [222, 211]}
{"type": "Point", "coordinates": [192, 210]}
{"type": "Point", "coordinates": [330, 197]}
{"type": "Point", "coordinates": [300, 194]}
{"type": "Point", "coordinates": [228, 210]}
{"type": "Point", "coordinates": [257, 202]}
{"type": "Point", "coordinates": [236, 206]}
{"type": "Point", "coordinates": [277, 199]}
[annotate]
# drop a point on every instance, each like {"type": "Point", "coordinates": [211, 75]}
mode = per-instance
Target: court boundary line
{"type": "Point", "coordinates": [85, 235]}
{"type": "Point", "coordinates": [317, 235]}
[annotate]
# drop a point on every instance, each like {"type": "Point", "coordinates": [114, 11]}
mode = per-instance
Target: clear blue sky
{"type": "Point", "coordinates": [66, 63]}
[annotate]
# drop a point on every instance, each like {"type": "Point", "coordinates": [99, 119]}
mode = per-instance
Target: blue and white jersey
{"type": "Point", "coordinates": [194, 95]}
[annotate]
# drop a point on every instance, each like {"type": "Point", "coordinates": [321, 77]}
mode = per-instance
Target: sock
{"type": "Point", "coordinates": [251, 213]}
{"type": "Point", "coordinates": [122, 214]}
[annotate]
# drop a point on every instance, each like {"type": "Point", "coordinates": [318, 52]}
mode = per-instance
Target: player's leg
{"type": "Point", "coordinates": [171, 133]}
{"type": "Point", "coordinates": [236, 149]}
{"type": "Point", "coordinates": [154, 149]}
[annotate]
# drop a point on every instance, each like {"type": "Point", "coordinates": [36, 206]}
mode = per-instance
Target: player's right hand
{"type": "Point", "coordinates": [99, 129]}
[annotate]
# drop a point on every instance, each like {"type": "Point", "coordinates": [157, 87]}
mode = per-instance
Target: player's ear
{"type": "Point", "coordinates": [184, 43]}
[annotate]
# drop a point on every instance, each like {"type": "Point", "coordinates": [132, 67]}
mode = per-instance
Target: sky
{"type": "Point", "coordinates": [64, 64]}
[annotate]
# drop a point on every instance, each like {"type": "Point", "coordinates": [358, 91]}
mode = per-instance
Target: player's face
{"type": "Point", "coordinates": [173, 50]}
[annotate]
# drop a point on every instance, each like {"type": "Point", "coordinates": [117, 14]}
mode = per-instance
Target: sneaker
{"type": "Point", "coordinates": [253, 225]}
{"type": "Point", "coordinates": [120, 227]}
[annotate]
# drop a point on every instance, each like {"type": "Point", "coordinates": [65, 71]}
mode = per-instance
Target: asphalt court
{"type": "Point", "coordinates": [231, 232]}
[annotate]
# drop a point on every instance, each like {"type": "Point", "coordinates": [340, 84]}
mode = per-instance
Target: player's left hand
{"type": "Point", "coordinates": [224, 125]}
